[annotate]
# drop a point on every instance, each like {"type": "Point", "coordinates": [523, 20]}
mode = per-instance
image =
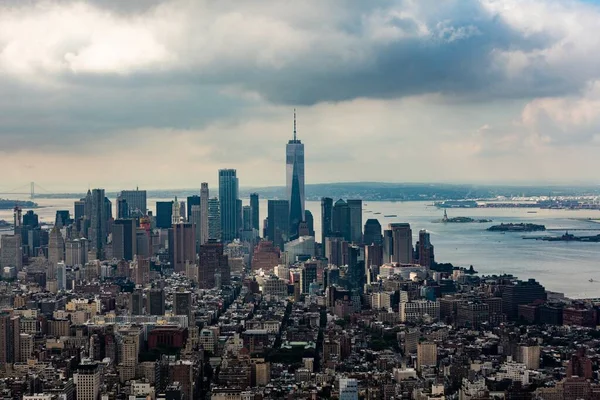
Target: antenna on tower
{"type": "Point", "coordinates": [294, 124]}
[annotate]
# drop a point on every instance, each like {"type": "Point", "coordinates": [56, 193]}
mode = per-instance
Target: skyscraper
{"type": "Point", "coordinates": [122, 208]}
{"type": "Point", "coordinates": [98, 221]}
{"type": "Point", "coordinates": [402, 243]}
{"type": "Point", "coordinates": [196, 221]}
{"type": "Point", "coordinates": [426, 256]}
{"type": "Point", "coordinates": [214, 220]}
{"type": "Point", "coordinates": [11, 254]}
{"type": "Point", "coordinates": [191, 201]}
{"type": "Point", "coordinates": [228, 202]}
{"type": "Point", "coordinates": [136, 201]}
{"type": "Point", "coordinates": [182, 303]}
{"type": "Point", "coordinates": [156, 302]}
{"type": "Point", "coordinates": [278, 226]}
{"type": "Point", "coordinates": [204, 229]}
{"type": "Point", "coordinates": [372, 233]}
{"type": "Point", "coordinates": [88, 382]}
{"type": "Point", "coordinates": [355, 215]}
{"type": "Point", "coordinates": [341, 220]}
{"type": "Point", "coordinates": [326, 218]}
{"type": "Point", "coordinates": [176, 212]}
{"type": "Point", "coordinates": [247, 218]}
{"type": "Point", "coordinates": [212, 262]}
{"type": "Point", "coordinates": [182, 245]}
{"type": "Point", "coordinates": [255, 211]}
{"type": "Point", "coordinates": [56, 246]}
{"type": "Point", "coordinates": [124, 239]}
{"type": "Point", "coordinates": [164, 214]}
{"type": "Point", "coordinates": [295, 182]}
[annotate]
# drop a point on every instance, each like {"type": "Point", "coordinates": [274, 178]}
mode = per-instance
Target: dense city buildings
{"type": "Point", "coordinates": [190, 302]}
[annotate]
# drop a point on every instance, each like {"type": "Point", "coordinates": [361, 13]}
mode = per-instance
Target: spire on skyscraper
{"type": "Point", "coordinates": [294, 124]}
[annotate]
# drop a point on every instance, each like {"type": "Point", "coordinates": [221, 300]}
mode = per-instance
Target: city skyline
{"type": "Point", "coordinates": [374, 91]}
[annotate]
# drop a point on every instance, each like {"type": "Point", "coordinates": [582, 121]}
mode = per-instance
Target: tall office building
{"type": "Point", "coordinates": [136, 303]}
{"type": "Point", "coordinates": [326, 218]}
{"type": "Point", "coordinates": [88, 382]}
{"type": "Point", "coordinates": [191, 201]}
{"type": "Point", "coordinates": [247, 218]}
{"type": "Point", "coordinates": [372, 234]}
{"type": "Point", "coordinates": [61, 276]}
{"type": "Point", "coordinates": [9, 333]}
{"type": "Point", "coordinates": [278, 226]}
{"type": "Point", "coordinates": [124, 239]}
{"type": "Point", "coordinates": [136, 201]}
{"type": "Point", "coordinates": [17, 220]}
{"type": "Point", "coordinates": [254, 206]}
{"type": "Point", "coordinates": [295, 182]}
{"type": "Point", "coordinates": [356, 225]}
{"type": "Point", "coordinates": [31, 219]}
{"type": "Point", "coordinates": [214, 220]}
{"type": "Point", "coordinates": [182, 245]}
{"type": "Point", "coordinates": [425, 254]}
{"type": "Point", "coordinates": [204, 225]}
{"type": "Point", "coordinates": [164, 214]}
{"type": "Point", "coordinates": [402, 243]}
{"type": "Point", "coordinates": [182, 304]}
{"type": "Point", "coordinates": [212, 263]}
{"type": "Point", "coordinates": [228, 202]}
{"type": "Point", "coordinates": [56, 246]}
{"type": "Point", "coordinates": [156, 302]}
{"type": "Point", "coordinates": [98, 221]}
{"type": "Point", "coordinates": [176, 216]}
{"type": "Point", "coordinates": [11, 254]}
{"type": "Point", "coordinates": [76, 252]}
{"type": "Point", "coordinates": [388, 246]}
{"type": "Point", "coordinates": [373, 255]}
{"type": "Point", "coordinates": [79, 209]}
{"type": "Point", "coordinates": [341, 220]}
{"type": "Point", "coordinates": [122, 208]}
{"type": "Point", "coordinates": [196, 221]}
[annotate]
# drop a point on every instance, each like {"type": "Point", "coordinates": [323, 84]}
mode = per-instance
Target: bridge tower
{"type": "Point", "coordinates": [32, 196]}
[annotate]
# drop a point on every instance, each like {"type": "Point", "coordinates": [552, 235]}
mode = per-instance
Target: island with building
{"type": "Point", "coordinates": [519, 227]}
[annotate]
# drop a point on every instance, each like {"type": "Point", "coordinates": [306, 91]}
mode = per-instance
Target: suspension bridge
{"type": "Point", "coordinates": [28, 189]}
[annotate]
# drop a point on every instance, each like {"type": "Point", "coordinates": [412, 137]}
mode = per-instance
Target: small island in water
{"type": "Point", "coordinates": [459, 220]}
{"type": "Point", "coordinates": [6, 204]}
{"type": "Point", "coordinates": [521, 227]}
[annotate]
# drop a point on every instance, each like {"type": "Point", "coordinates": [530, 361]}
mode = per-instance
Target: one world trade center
{"type": "Point", "coordinates": [295, 181]}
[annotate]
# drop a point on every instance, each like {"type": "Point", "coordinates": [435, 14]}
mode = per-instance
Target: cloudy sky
{"type": "Point", "coordinates": [161, 94]}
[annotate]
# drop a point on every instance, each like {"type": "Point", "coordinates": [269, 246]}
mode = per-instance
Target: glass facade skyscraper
{"type": "Point", "coordinates": [295, 181]}
{"type": "Point", "coordinates": [228, 202]}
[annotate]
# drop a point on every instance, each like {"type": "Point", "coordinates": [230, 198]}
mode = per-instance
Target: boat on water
{"type": "Point", "coordinates": [531, 212]}
{"type": "Point", "coordinates": [390, 216]}
{"type": "Point", "coordinates": [377, 213]}
{"type": "Point", "coordinates": [591, 280]}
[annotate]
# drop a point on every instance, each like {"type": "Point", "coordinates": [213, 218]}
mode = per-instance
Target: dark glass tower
{"type": "Point", "coordinates": [228, 202]}
{"type": "Point", "coordinates": [295, 182]}
{"type": "Point", "coordinates": [341, 220]}
{"type": "Point", "coordinates": [164, 214]}
{"type": "Point", "coordinates": [191, 201]}
{"type": "Point", "coordinates": [326, 218]}
{"type": "Point", "coordinates": [278, 226]}
{"type": "Point", "coordinates": [255, 212]}
{"type": "Point", "coordinates": [373, 232]}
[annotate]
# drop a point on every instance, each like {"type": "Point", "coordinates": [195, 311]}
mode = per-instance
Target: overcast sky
{"type": "Point", "coordinates": [162, 94]}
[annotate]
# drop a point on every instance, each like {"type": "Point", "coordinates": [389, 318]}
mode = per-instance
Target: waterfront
{"type": "Point", "coordinates": [560, 266]}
